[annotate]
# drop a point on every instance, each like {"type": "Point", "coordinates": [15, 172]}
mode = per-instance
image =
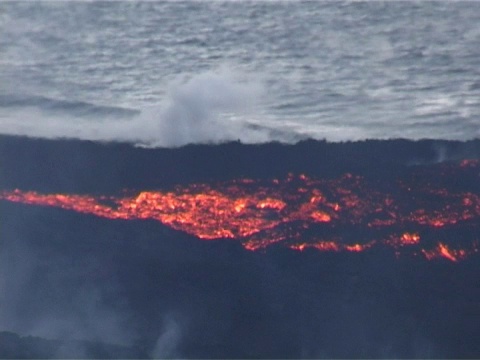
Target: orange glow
{"type": "Point", "coordinates": [356, 247]}
{"type": "Point", "coordinates": [262, 213]}
{"type": "Point", "coordinates": [444, 251]}
{"type": "Point", "coordinates": [326, 246]}
{"type": "Point", "coordinates": [410, 239]}
{"type": "Point", "coordinates": [320, 245]}
{"type": "Point", "coordinates": [470, 163]}
{"type": "Point", "coordinates": [320, 216]}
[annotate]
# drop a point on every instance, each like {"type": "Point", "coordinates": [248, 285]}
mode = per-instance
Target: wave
{"type": "Point", "coordinates": [64, 107]}
{"type": "Point", "coordinates": [214, 107]}
{"type": "Point", "coordinates": [211, 107]}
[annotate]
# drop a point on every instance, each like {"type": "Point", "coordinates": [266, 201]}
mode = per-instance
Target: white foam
{"type": "Point", "coordinates": [436, 105]}
{"type": "Point", "coordinates": [209, 107]}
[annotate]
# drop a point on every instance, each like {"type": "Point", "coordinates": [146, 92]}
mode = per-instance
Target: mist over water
{"type": "Point", "coordinates": [170, 73]}
{"type": "Point", "coordinates": [210, 107]}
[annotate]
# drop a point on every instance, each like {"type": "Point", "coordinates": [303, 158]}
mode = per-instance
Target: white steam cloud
{"type": "Point", "coordinates": [78, 312]}
{"type": "Point", "coordinates": [210, 107]}
{"type": "Point", "coordinates": [168, 343]}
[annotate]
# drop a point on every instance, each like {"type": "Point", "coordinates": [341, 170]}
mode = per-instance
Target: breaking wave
{"type": "Point", "coordinates": [211, 107]}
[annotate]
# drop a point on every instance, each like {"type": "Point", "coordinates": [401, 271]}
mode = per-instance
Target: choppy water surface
{"type": "Point", "coordinates": [169, 73]}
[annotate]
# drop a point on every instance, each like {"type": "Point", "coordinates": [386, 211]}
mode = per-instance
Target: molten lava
{"type": "Point", "coordinates": [301, 212]}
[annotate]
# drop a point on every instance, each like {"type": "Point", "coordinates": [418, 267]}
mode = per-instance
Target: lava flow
{"type": "Point", "coordinates": [420, 213]}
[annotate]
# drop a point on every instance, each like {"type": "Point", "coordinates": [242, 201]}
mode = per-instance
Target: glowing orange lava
{"type": "Point", "coordinates": [291, 211]}
{"type": "Point", "coordinates": [444, 251]}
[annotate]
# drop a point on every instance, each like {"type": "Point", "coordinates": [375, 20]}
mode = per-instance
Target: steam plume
{"type": "Point", "coordinates": [201, 109]}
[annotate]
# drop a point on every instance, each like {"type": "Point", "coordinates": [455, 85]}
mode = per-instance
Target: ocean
{"type": "Point", "coordinates": [172, 73]}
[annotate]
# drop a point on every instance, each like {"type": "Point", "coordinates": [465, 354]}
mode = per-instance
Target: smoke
{"type": "Point", "coordinates": [168, 343]}
{"type": "Point", "coordinates": [45, 293]}
{"type": "Point", "coordinates": [445, 151]}
{"type": "Point", "coordinates": [209, 107]}
{"type": "Point", "coordinates": [200, 110]}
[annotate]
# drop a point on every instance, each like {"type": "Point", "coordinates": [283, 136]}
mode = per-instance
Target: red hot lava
{"type": "Point", "coordinates": [300, 212]}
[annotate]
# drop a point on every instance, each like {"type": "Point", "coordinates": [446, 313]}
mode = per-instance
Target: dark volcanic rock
{"type": "Point", "coordinates": [172, 295]}
{"type": "Point", "coordinates": [14, 346]}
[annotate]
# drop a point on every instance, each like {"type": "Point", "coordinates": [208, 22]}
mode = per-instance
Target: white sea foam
{"type": "Point", "coordinates": [210, 107]}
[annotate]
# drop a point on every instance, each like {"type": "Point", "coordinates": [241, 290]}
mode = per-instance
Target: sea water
{"type": "Point", "coordinates": [172, 73]}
